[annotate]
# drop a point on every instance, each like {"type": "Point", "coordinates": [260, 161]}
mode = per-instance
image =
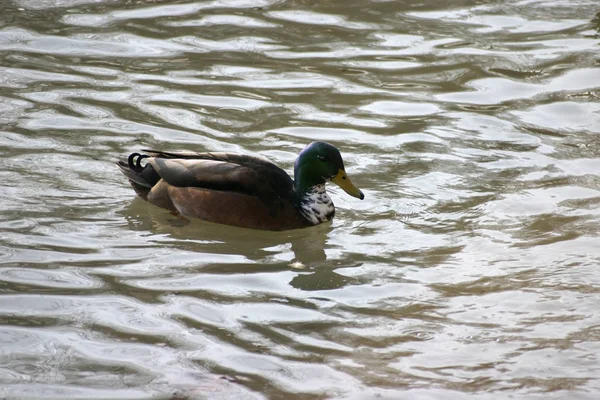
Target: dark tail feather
{"type": "Point", "coordinates": [142, 178]}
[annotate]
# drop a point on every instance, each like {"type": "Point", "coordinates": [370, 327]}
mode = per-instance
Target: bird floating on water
{"type": "Point", "coordinates": [241, 190]}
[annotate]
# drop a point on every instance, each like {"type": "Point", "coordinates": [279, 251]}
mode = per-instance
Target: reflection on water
{"type": "Point", "coordinates": [470, 270]}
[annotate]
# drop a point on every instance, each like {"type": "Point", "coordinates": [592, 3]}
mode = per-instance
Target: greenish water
{"type": "Point", "coordinates": [471, 269]}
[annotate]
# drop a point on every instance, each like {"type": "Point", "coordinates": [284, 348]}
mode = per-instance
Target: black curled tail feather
{"type": "Point", "coordinates": [134, 164]}
{"type": "Point", "coordinates": [141, 177]}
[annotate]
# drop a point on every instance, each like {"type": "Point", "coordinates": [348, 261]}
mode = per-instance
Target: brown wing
{"type": "Point", "coordinates": [222, 171]}
{"type": "Point", "coordinates": [263, 188]}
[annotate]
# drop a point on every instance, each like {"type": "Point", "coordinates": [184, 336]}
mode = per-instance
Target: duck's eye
{"type": "Point", "coordinates": [323, 158]}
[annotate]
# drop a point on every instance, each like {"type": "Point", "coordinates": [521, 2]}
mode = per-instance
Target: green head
{"type": "Point", "coordinates": [318, 163]}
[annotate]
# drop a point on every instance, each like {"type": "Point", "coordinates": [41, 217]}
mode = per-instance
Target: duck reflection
{"type": "Point", "coordinates": [300, 249]}
{"type": "Point", "coordinates": [303, 250]}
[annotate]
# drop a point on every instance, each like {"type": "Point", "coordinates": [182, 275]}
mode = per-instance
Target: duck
{"type": "Point", "coordinates": [241, 190]}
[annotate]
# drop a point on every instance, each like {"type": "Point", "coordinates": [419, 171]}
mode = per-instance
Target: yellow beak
{"type": "Point", "coordinates": [342, 180]}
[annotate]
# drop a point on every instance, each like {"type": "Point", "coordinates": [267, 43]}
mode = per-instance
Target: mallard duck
{"type": "Point", "coordinates": [241, 190]}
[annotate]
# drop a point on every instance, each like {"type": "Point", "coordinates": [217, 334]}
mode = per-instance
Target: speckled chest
{"type": "Point", "coordinates": [316, 205]}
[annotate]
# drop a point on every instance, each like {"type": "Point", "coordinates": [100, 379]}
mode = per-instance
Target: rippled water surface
{"type": "Point", "coordinates": [471, 269]}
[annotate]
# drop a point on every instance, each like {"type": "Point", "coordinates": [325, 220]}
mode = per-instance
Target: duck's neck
{"type": "Point", "coordinates": [315, 204]}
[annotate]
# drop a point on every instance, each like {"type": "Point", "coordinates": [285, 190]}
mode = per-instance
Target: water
{"type": "Point", "coordinates": [471, 269]}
